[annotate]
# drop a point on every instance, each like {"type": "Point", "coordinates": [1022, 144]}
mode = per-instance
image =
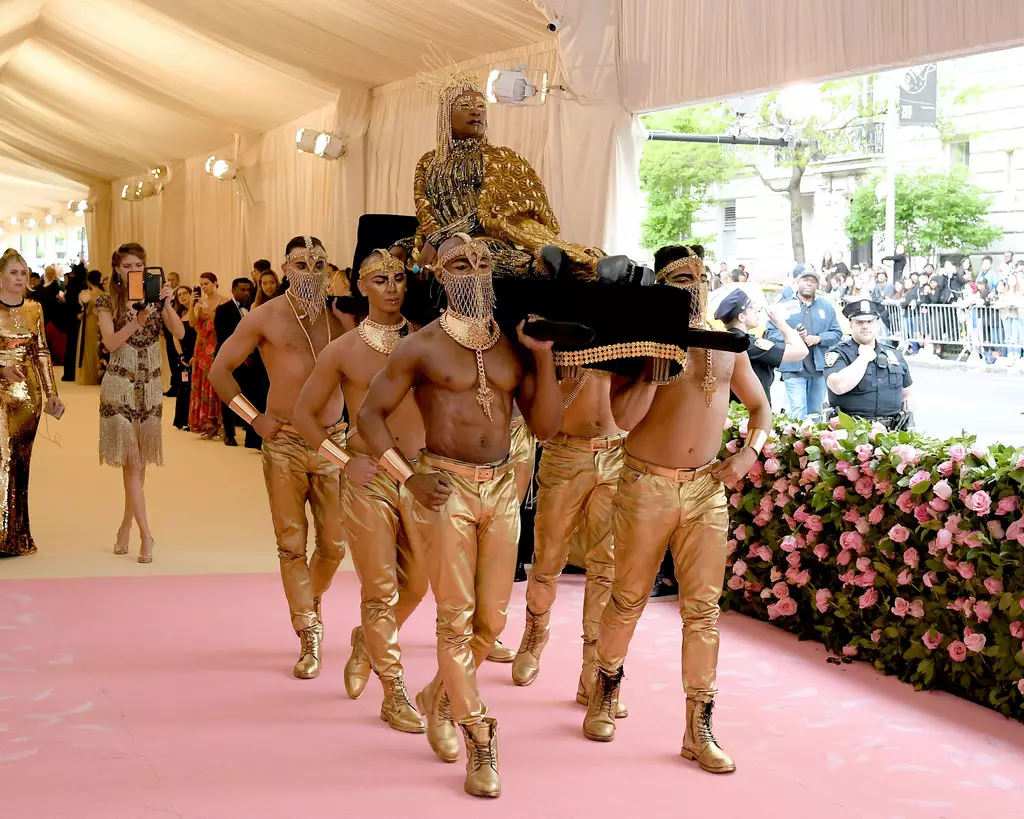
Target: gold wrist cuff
{"type": "Point", "coordinates": [332, 452]}
{"type": "Point", "coordinates": [394, 463]}
{"type": "Point", "coordinates": [756, 439]}
{"type": "Point", "coordinates": [244, 408]}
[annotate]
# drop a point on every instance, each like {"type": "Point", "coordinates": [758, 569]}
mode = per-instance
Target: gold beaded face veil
{"type": "Point", "coordinates": [470, 291]}
{"type": "Point", "coordinates": [307, 271]}
{"type": "Point", "coordinates": [688, 274]}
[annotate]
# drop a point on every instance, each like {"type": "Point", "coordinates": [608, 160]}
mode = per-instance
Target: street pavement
{"type": "Point", "coordinates": [950, 400]}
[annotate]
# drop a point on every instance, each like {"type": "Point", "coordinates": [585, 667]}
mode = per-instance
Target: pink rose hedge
{"type": "Point", "coordinates": [891, 547]}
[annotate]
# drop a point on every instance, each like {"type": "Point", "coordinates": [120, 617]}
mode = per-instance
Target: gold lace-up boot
{"type": "Point", "coordinates": [699, 743]}
{"type": "Point", "coordinates": [589, 676]}
{"type": "Point", "coordinates": [482, 758]}
{"type": "Point", "coordinates": [434, 704]}
{"type": "Point", "coordinates": [599, 723]}
{"type": "Point", "coordinates": [357, 669]}
{"type": "Point", "coordinates": [308, 665]}
{"type": "Point", "coordinates": [397, 711]}
{"type": "Point", "coordinates": [526, 665]}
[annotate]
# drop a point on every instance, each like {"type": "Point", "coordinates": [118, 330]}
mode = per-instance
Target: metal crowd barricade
{"type": "Point", "coordinates": [971, 330]}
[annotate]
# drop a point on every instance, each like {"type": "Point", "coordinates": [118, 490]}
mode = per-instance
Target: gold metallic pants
{"type": "Point", "coordinates": [690, 515]}
{"type": "Point", "coordinates": [470, 547]}
{"type": "Point", "coordinates": [392, 576]}
{"type": "Point", "coordinates": [522, 454]}
{"type": "Point", "coordinates": [295, 474]}
{"type": "Point", "coordinates": [576, 484]}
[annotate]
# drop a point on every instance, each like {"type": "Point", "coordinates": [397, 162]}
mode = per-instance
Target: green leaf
{"type": "Point", "coordinates": [920, 488]}
{"type": "Point", "coordinates": [927, 669]}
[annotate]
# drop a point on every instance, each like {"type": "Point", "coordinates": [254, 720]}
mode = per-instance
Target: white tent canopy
{"type": "Point", "coordinates": [93, 93]}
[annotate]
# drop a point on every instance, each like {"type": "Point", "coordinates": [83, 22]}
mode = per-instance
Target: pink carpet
{"type": "Point", "coordinates": [172, 696]}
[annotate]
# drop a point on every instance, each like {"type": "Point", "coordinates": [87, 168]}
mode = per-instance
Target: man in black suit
{"type": "Point", "coordinates": [225, 320]}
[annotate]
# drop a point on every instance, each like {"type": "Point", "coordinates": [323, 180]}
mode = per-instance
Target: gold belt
{"type": "Point", "coordinates": [683, 475]}
{"type": "Point", "coordinates": [330, 430]}
{"type": "Point", "coordinates": [591, 444]}
{"type": "Point", "coordinates": [474, 472]}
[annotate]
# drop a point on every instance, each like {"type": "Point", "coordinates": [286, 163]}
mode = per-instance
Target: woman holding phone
{"type": "Point", "coordinates": [131, 393]}
{"type": "Point", "coordinates": [27, 387]}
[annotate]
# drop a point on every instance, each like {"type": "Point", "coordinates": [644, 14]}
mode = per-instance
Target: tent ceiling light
{"type": "Point", "coordinates": [329, 146]}
{"type": "Point", "coordinates": [511, 86]}
{"type": "Point", "coordinates": [32, 223]}
{"type": "Point", "coordinates": [305, 140]}
{"type": "Point", "coordinates": [220, 168]}
{"type": "Point", "coordinates": [14, 220]}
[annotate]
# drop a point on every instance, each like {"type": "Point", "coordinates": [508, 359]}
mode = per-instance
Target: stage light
{"type": "Point", "coordinates": [305, 140]}
{"type": "Point", "coordinates": [49, 218]}
{"type": "Point", "coordinates": [329, 146]}
{"type": "Point", "coordinates": [124, 192]}
{"type": "Point", "coordinates": [32, 223]}
{"type": "Point", "coordinates": [220, 168]}
{"type": "Point", "coordinates": [511, 86]}
{"type": "Point", "coordinates": [14, 220]}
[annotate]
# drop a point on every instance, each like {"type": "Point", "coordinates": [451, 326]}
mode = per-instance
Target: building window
{"type": "Point", "coordinates": [729, 227]}
{"type": "Point", "coordinates": [960, 154]}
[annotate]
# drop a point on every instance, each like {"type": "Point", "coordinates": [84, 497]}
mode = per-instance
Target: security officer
{"type": "Point", "coordinates": [867, 378]}
{"type": "Point", "coordinates": [740, 315]}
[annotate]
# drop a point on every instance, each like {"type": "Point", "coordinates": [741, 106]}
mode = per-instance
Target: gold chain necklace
{"type": "Point", "coordinates": [478, 336]}
{"type": "Point", "coordinates": [580, 382]}
{"type": "Point", "coordinates": [309, 339]}
{"type": "Point", "coordinates": [382, 337]}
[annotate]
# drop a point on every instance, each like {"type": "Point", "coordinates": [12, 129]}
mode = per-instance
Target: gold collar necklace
{"type": "Point", "coordinates": [477, 335]}
{"type": "Point", "coordinates": [305, 332]}
{"type": "Point", "coordinates": [382, 337]}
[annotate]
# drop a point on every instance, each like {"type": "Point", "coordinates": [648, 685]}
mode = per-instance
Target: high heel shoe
{"type": "Point", "coordinates": [143, 557]}
{"type": "Point", "coordinates": [121, 544]}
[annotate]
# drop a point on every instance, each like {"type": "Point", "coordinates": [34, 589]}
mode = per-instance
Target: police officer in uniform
{"type": "Point", "coordinates": [867, 378]}
{"type": "Point", "coordinates": [740, 315]}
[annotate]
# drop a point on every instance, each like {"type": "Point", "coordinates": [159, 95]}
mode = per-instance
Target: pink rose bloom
{"type": "Point", "coordinates": [842, 466]}
{"type": "Point", "coordinates": [905, 502]}
{"type": "Point", "coordinates": [761, 518]}
{"type": "Point", "coordinates": [848, 577]}
{"type": "Point", "coordinates": [957, 651]}
{"type": "Point", "coordinates": [865, 451]}
{"type": "Point", "coordinates": [1017, 629]}
{"type": "Point", "coordinates": [976, 642]}
{"type": "Point", "coordinates": [733, 446]}
{"type": "Point", "coordinates": [917, 609]}
{"type": "Point", "coordinates": [814, 523]}
{"type": "Point", "coordinates": [781, 485]}
{"type": "Point", "coordinates": [921, 514]}
{"type": "Point", "coordinates": [939, 505]}
{"type": "Point", "coordinates": [951, 562]}
{"type": "Point", "coordinates": [844, 557]}
{"type": "Point", "coordinates": [943, 490]}
{"type": "Point", "coordinates": [905, 577]}
{"type": "Point", "coordinates": [789, 544]}
{"type": "Point", "coordinates": [866, 580]}
{"type": "Point", "coordinates": [800, 515]}
{"type": "Point", "coordinates": [883, 486]}
{"type": "Point", "coordinates": [801, 579]}
{"type": "Point", "coordinates": [849, 651]}
{"type": "Point", "coordinates": [775, 574]}
{"type": "Point", "coordinates": [780, 590]}
{"type": "Point", "coordinates": [772, 466]}
{"type": "Point", "coordinates": [995, 528]}
{"type": "Point", "coordinates": [735, 500]}
{"type": "Point", "coordinates": [876, 515]}
{"type": "Point", "coordinates": [863, 527]}
{"type": "Point", "coordinates": [1020, 462]}
{"type": "Point", "coordinates": [786, 607]}
{"type": "Point", "coordinates": [876, 635]}
{"type": "Point", "coordinates": [821, 598]}
{"type": "Point", "coordinates": [868, 599]}
{"type": "Point", "coordinates": [740, 532]}
{"type": "Point", "coordinates": [899, 534]}
{"type": "Point", "coordinates": [983, 611]}
{"type": "Point", "coordinates": [752, 553]}
{"type": "Point", "coordinates": [979, 502]}
{"type": "Point", "coordinates": [920, 477]}
{"type": "Point", "coordinates": [944, 538]}
{"type": "Point", "coordinates": [828, 441]}
{"type": "Point", "coordinates": [865, 486]}
{"type": "Point", "coordinates": [769, 450]}
{"type": "Point", "coordinates": [773, 613]}
{"type": "Point", "coordinates": [978, 452]}
{"type": "Point", "coordinates": [821, 551]}
{"type": "Point", "coordinates": [1015, 531]}
{"type": "Point", "coordinates": [932, 639]}
{"type": "Point", "coordinates": [911, 558]}
{"type": "Point", "coordinates": [851, 515]}
{"type": "Point", "coordinates": [811, 473]}
{"type": "Point", "coordinates": [739, 568]}
{"type": "Point", "coordinates": [946, 469]}
{"type": "Point", "coordinates": [993, 585]}
{"type": "Point", "coordinates": [793, 559]}
{"type": "Point", "coordinates": [799, 448]}
{"type": "Point", "coordinates": [957, 453]}
{"type": "Point", "coordinates": [863, 564]}
{"type": "Point", "coordinates": [965, 570]}
{"type": "Point", "coordinates": [901, 607]}
{"type": "Point", "coordinates": [1020, 682]}
{"type": "Point", "coordinates": [930, 579]}
{"type": "Point", "coordinates": [853, 474]}
{"type": "Point", "coordinates": [852, 540]}
{"type": "Point", "coordinates": [735, 583]}
{"type": "Point", "coordinates": [765, 553]}
{"type": "Point", "coordinates": [839, 494]}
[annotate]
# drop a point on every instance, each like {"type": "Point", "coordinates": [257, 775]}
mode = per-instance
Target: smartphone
{"type": "Point", "coordinates": [137, 286]}
{"type": "Point", "coordinates": [56, 414]}
{"type": "Point", "coordinates": [153, 283]}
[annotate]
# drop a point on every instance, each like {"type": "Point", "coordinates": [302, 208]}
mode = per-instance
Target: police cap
{"type": "Point", "coordinates": [732, 305]}
{"type": "Point", "coordinates": [861, 309]}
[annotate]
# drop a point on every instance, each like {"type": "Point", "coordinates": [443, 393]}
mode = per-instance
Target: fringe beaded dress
{"type": "Point", "coordinates": [132, 394]}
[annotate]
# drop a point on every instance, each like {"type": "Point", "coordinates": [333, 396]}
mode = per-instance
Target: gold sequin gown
{"type": "Point", "coordinates": [492, 193]}
{"type": "Point", "coordinates": [131, 395]}
{"type": "Point", "coordinates": [22, 344]}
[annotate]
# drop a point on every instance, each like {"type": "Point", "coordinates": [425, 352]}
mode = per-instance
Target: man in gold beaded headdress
{"type": "Point", "coordinates": [290, 332]}
{"type": "Point", "coordinates": [461, 499]}
{"type": "Point", "coordinates": [670, 492]}
{"type": "Point", "coordinates": [392, 575]}
{"type": "Point", "coordinates": [467, 185]}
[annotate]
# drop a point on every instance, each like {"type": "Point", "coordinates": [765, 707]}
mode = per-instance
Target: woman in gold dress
{"type": "Point", "coordinates": [132, 392]}
{"type": "Point", "coordinates": [88, 372]}
{"type": "Point", "coordinates": [26, 383]}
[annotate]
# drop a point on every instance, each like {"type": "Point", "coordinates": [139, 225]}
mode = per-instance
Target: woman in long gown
{"type": "Point", "coordinates": [132, 392]}
{"type": "Point", "coordinates": [88, 354]}
{"type": "Point", "coordinates": [26, 384]}
{"type": "Point", "coordinates": [204, 414]}
{"type": "Point", "coordinates": [186, 349]}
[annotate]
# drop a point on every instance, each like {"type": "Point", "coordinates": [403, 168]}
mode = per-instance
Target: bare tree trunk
{"type": "Point", "coordinates": [796, 214]}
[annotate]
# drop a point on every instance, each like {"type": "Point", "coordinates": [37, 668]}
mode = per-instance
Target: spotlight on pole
{"type": "Point", "coordinates": [305, 140]}
{"type": "Point", "coordinates": [329, 146]}
{"type": "Point", "coordinates": [220, 168]}
{"type": "Point", "coordinates": [512, 86]}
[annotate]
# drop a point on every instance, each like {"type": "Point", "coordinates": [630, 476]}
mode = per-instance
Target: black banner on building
{"type": "Point", "coordinates": [919, 91]}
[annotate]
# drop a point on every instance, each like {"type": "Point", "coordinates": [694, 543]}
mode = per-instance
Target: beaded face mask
{"type": "Point", "coordinates": [470, 292]}
{"type": "Point", "coordinates": [688, 274]}
{"type": "Point", "coordinates": [307, 271]}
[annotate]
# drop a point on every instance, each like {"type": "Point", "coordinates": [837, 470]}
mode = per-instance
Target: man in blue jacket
{"type": "Point", "coordinates": [815, 319]}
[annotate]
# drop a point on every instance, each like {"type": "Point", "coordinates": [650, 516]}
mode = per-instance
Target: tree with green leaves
{"type": "Point", "coordinates": [934, 212]}
{"type": "Point", "coordinates": [677, 176]}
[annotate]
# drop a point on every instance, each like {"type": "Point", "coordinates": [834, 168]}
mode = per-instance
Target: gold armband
{"type": "Point", "coordinates": [394, 463]}
{"type": "Point", "coordinates": [332, 452]}
{"type": "Point", "coordinates": [756, 439]}
{"type": "Point", "coordinates": [244, 408]}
